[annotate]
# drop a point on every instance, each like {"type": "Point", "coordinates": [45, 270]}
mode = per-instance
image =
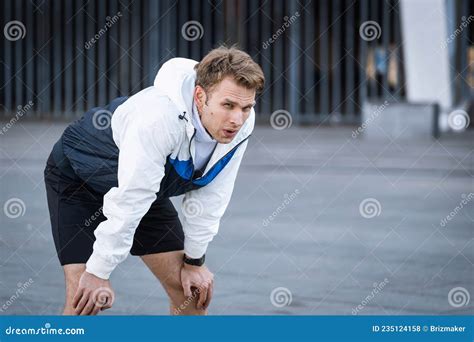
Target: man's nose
{"type": "Point", "coordinates": [237, 118]}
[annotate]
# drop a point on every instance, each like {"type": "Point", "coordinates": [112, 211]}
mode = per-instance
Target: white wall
{"type": "Point", "coordinates": [426, 56]}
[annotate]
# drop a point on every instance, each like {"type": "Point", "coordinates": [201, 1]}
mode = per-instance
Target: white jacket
{"type": "Point", "coordinates": [150, 128]}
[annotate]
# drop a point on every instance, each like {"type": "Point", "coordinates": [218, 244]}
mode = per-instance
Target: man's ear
{"type": "Point", "coordinates": [199, 97]}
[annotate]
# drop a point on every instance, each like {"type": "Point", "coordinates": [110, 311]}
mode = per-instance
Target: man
{"type": "Point", "coordinates": [111, 174]}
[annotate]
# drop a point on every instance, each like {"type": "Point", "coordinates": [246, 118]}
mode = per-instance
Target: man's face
{"type": "Point", "coordinates": [224, 109]}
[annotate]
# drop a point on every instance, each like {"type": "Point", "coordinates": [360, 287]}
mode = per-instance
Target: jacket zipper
{"type": "Point", "coordinates": [213, 166]}
{"type": "Point", "coordinates": [190, 141]}
{"type": "Point", "coordinates": [189, 150]}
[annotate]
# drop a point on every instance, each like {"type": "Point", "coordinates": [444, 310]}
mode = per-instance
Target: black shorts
{"type": "Point", "coordinates": [75, 210]}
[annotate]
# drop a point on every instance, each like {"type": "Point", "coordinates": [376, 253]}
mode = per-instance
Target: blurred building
{"type": "Point", "coordinates": [322, 59]}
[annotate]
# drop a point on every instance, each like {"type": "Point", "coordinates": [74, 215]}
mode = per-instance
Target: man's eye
{"type": "Point", "coordinates": [227, 105]}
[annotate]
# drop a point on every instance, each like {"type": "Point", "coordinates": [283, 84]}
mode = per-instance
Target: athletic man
{"type": "Point", "coordinates": [111, 174]}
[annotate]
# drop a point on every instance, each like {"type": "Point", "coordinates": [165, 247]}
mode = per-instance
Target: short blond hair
{"type": "Point", "coordinates": [229, 61]}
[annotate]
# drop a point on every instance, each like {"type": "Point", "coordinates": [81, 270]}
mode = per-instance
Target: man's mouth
{"type": "Point", "coordinates": [229, 133]}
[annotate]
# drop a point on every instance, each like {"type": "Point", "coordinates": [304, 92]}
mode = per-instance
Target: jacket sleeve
{"type": "Point", "coordinates": [144, 145]}
{"type": "Point", "coordinates": [203, 208]}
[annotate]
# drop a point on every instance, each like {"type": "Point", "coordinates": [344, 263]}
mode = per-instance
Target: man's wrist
{"type": "Point", "coordinates": [93, 275]}
{"type": "Point", "coordinates": [194, 262]}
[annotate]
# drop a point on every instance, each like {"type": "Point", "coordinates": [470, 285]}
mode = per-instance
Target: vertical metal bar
{"type": "Point", "coordinates": [219, 14]}
{"type": "Point", "coordinates": [68, 46]}
{"type": "Point", "coordinates": [6, 86]}
{"type": "Point", "coordinates": [397, 55]}
{"type": "Point", "coordinates": [435, 127]}
{"type": "Point", "coordinates": [324, 50]}
{"type": "Point", "coordinates": [80, 40]}
{"type": "Point", "coordinates": [253, 42]}
{"type": "Point", "coordinates": [175, 31]}
{"type": "Point", "coordinates": [362, 55]}
{"type": "Point", "coordinates": [22, 86]}
{"type": "Point", "coordinates": [18, 59]}
{"type": "Point", "coordinates": [165, 31]}
{"type": "Point", "coordinates": [30, 66]}
{"type": "Point", "coordinates": [207, 24]}
{"type": "Point", "coordinates": [3, 65]}
{"type": "Point", "coordinates": [349, 95]}
{"type": "Point", "coordinates": [152, 11]}
{"type": "Point", "coordinates": [231, 22]}
{"type": "Point", "coordinates": [37, 37]}
{"type": "Point", "coordinates": [266, 56]}
{"type": "Point", "coordinates": [385, 42]}
{"type": "Point", "coordinates": [463, 42]}
{"type": "Point", "coordinates": [195, 43]}
{"type": "Point", "coordinates": [373, 44]}
{"type": "Point", "coordinates": [336, 56]}
{"type": "Point", "coordinates": [164, 23]}
{"type": "Point", "coordinates": [101, 47]}
{"type": "Point", "coordinates": [136, 49]}
{"type": "Point", "coordinates": [309, 58]}
{"type": "Point", "coordinates": [46, 62]}
{"type": "Point", "coordinates": [278, 87]}
{"type": "Point", "coordinates": [294, 77]}
{"type": "Point", "coordinates": [183, 18]}
{"type": "Point", "coordinates": [113, 56]}
{"type": "Point", "coordinates": [253, 39]}
{"type": "Point", "coordinates": [124, 43]}
{"type": "Point", "coordinates": [57, 59]}
{"type": "Point", "coordinates": [241, 20]}
{"type": "Point", "coordinates": [91, 29]}
{"type": "Point", "coordinates": [143, 34]}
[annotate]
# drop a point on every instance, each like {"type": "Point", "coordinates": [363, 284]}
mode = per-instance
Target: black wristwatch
{"type": "Point", "coordinates": [194, 262]}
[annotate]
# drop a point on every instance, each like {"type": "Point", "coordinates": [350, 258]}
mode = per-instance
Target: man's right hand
{"type": "Point", "coordinates": [93, 294]}
{"type": "Point", "coordinates": [202, 279]}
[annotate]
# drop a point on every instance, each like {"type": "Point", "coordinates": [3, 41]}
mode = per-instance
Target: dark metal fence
{"type": "Point", "coordinates": [321, 59]}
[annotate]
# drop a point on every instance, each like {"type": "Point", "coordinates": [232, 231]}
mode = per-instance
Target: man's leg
{"type": "Point", "coordinates": [72, 274]}
{"type": "Point", "coordinates": [167, 268]}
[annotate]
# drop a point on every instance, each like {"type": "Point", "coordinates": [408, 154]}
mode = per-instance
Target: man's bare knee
{"type": "Point", "coordinates": [167, 268]}
{"type": "Point", "coordinates": [179, 303]}
{"type": "Point", "coordinates": [182, 305]}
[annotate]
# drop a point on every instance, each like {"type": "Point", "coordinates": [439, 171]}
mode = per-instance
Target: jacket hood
{"type": "Point", "coordinates": [176, 79]}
